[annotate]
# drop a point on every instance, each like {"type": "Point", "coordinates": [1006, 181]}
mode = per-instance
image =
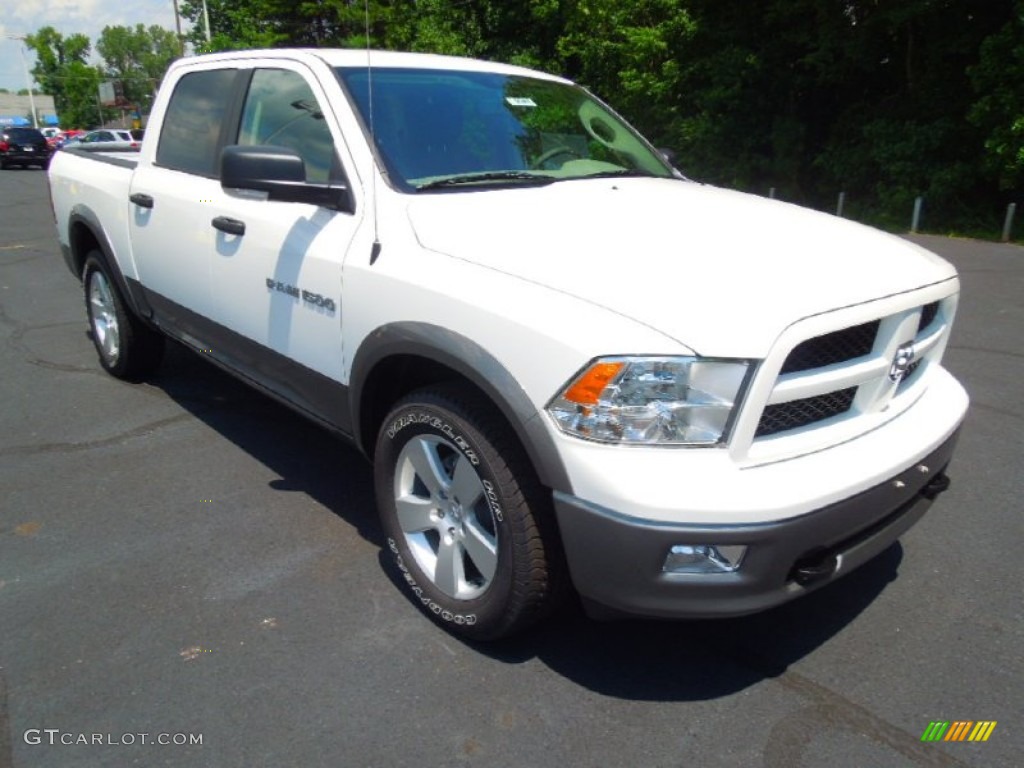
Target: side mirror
{"type": "Point", "coordinates": [669, 155]}
{"type": "Point", "coordinates": [281, 173]}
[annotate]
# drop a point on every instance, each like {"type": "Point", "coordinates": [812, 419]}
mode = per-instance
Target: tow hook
{"type": "Point", "coordinates": [938, 484]}
{"type": "Point", "coordinates": [814, 567]}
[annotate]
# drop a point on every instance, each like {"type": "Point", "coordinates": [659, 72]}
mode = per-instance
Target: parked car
{"type": "Point", "coordinates": [24, 146]}
{"type": "Point", "coordinates": [52, 135]}
{"type": "Point", "coordinates": [109, 138]}
{"type": "Point", "coordinates": [72, 134]}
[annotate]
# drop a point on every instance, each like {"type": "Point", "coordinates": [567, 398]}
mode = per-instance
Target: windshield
{"type": "Point", "coordinates": [24, 134]}
{"type": "Point", "coordinates": [442, 128]}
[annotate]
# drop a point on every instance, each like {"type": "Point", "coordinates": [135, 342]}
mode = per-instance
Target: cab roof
{"type": "Point", "coordinates": [348, 57]}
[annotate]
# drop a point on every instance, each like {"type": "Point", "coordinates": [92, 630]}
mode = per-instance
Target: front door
{"type": "Point", "coordinates": [276, 266]}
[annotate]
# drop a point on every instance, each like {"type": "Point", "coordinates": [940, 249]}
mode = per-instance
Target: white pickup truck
{"type": "Point", "coordinates": [571, 366]}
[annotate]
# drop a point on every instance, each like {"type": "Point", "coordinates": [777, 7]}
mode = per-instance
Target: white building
{"type": "Point", "coordinates": [17, 110]}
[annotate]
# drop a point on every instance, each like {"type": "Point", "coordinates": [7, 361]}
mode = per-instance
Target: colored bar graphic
{"type": "Point", "coordinates": [982, 730]}
{"type": "Point", "coordinates": [958, 730]}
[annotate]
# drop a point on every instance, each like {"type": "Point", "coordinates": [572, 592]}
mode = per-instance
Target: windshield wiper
{"type": "Point", "coordinates": [486, 176]}
{"type": "Point", "coordinates": [632, 172]}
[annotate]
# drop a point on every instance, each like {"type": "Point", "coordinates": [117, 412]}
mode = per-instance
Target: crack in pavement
{"type": "Point", "coordinates": [791, 736]}
{"type": "Point", "coordinates": [11, 255]}
{"type": "Point", "coordinates": [145, 429]}
{"type": "Point", "coordinates": [16, 342]}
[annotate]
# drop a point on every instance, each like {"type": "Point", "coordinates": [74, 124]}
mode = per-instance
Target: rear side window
{"type": "Point", "coordinates": [191, 128]}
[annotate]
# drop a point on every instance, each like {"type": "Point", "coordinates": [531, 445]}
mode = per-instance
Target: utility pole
{"type": "Point", "coordinates": [206, 18]}
{"type": "Point", "coordinates": [177, 26]}
{"type": "Point", "coordinates": [28, 78]}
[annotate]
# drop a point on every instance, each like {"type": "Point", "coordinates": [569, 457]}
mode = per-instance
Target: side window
{"type": "Point", "coordinates": [191, 127]}
{"type": "Point", "coordinates": [281, 110]}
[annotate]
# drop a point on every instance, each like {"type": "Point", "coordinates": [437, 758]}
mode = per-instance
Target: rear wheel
{"type": "Point", "coordinates": [468, 524]}
{"type": "Point", "coordinates": [127, 348]}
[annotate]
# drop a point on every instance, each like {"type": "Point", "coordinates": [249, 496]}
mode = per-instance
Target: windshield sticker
{"type": "Point", "coordinates": [521, 101]}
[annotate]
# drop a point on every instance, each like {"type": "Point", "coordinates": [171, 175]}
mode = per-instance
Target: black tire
{"type": "Point", "coordinates": [466, 488]}
{"type": "Point", "coordinates": [127, 348]}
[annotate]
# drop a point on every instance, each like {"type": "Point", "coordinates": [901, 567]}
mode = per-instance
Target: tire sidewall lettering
{"type": "Point", "coordinates": [437, 423]}
{"type": "Point", "coordinates": [461, 619]}
{"type": "Point", "coordinates": [492, 499]}
{"type": "Point", "coordinates": [422, 417]}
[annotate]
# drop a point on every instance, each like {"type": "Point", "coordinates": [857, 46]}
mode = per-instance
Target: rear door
{"type": "Point", "coordinates": [170, 197]}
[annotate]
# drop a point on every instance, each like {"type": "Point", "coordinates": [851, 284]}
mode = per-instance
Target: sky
{"type": "Point", "coordinates": [68, 17]}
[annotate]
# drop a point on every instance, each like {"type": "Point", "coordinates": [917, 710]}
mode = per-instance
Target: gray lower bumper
{"type": "Point", "coordinates": [616, 561]}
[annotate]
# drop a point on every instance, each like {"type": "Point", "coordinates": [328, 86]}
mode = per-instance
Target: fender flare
{"type": "Point", "coordinates": [83, 216]}
{"type": "Point", "coordinates": [479, 367]}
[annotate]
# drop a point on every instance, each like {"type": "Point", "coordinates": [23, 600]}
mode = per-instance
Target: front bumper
{"type": "Point", "coordinates": [616, 561]}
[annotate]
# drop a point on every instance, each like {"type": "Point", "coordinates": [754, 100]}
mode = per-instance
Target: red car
{"type": "Point", "coordinates": [66, 136]}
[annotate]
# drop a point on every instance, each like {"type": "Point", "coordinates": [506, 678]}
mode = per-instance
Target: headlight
{"type": "Point", "coordinates": [651, 400]}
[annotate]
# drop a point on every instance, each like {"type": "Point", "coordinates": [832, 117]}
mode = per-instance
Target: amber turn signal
{"type": "Point", "coordinates": [588, 387]}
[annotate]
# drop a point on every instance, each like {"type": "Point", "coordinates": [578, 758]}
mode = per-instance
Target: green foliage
{"type": "Point", "coordinates": [629, 52]}
{"type": "Point", "coordinates": [884, 100]}
{"type": "Point", "coordinates": [137, 57]}
{"type": "Point", "coordinates": [80, 92]}
{"type": "Point", "coordinates": [63, 72]}
{"type": "Point", "coordinates": [998, 80]}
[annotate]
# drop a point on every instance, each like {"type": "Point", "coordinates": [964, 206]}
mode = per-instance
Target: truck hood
{"type": "Point", "coordinates": [686, 259]}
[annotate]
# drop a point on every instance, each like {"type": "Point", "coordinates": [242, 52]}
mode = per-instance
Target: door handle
{"type": "Point", "coordinates": [231, 226]}
{"type": "Point", "coordinates": [143, 201]}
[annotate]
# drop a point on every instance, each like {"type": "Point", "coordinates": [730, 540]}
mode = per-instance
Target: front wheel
{"type": "Point", "coordinates": [127, 348]}
{"type": "Point", "coordinates": [468, 525]}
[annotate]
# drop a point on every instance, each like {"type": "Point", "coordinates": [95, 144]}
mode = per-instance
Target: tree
{"type": "Point", "coordinates": [251, 24]}
{"type": "Point", "coordinates": [883, 99]}
{"type": "Point", "coordinates": [63, 72]}
{"type": "Point", "coordinates": [998, 81]}
{"type": "Point", "coordinates": [137, 57]}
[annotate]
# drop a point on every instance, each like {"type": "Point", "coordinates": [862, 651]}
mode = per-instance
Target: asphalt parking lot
{"type": "Point", "coordinates": [187, 560]}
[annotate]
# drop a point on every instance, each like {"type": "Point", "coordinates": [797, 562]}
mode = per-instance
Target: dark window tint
{"type": "Point", "coordinates": [27, 135]}
{"type": "Point", "coordinates": [191, 128]}
{"type": "Point", "coordinates": [281, 110]}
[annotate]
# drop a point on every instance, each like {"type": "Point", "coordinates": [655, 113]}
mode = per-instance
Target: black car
{"type": "Point", "coordinates": [23, 146]}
